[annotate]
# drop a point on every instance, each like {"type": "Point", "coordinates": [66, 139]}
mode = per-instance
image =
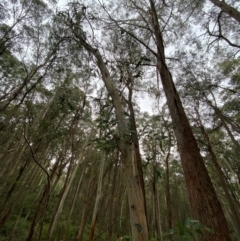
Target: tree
{"type": "Point", "coordinates": [200, 188]}
{"type": "Point", "coordinates": [80, 161]}
{"type": "Point", "coordinates": [135, 190]}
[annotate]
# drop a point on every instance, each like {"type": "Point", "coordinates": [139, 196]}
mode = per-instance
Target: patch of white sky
{"type": "Point", "coordinates": [62, 3]}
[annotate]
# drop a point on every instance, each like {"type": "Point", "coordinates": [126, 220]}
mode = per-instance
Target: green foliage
{"type": "Point", "coordinates": [231, 68]}
{"type": "Point", "coordinates": [186, 231]}
{"type": "Point", "coordinates": [20, 231]}
{"type": "Point", "coordinates": [127, 238]}
{"type": "Point", "coordinates": [141, 61]}
{"type": "Point", "coordinates": [55, 98]}
{"type": "Point", "coordinates": [157, 172]}
{"type": "Point", "coordinates": [108, 142]}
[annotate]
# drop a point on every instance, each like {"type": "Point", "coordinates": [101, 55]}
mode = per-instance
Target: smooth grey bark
{"type": "Point", "coordinates": [136, 201]}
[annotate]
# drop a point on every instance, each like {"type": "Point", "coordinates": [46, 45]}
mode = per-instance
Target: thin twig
{"type": "Point", "coordinates": [220, 35]}
{"type": "Point", "coordinates": [34, 158]}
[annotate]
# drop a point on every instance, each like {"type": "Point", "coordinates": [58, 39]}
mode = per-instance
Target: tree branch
{"type": "Point", "coordinates": [34, 158]}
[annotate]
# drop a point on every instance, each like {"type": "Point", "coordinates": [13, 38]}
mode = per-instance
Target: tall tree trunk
{"type": "Point", "coordinates": [28, 176]}
{"type": "Point", "coordinates": [16, 223]}
{"type": "Point", "coordinates": [65, 189]}
{"type": "Point", "coordinates": [168, 195]}
{"type": "Point", "coordinates": [139, 227]}
{"type": "Point", "coordinates": [135, 192]}
{"type": "Point", "coordinates": [156, 222]}
{"type": "Point", "coordinates": [62, 197]}
{"type": "Point", "coordinates": [156, 214]}
{"type": "Point", "coordinates": [136, 142]}
{"type": "Point", "coordinates": [5, 215]}
{"type": "Point", "coordinates": [234, 212]}
{"type": "Point", "coordinates": [43, 203]}
{"type": "Point", "coordinates": [76, 194]}
{"type": "Point", "coordinates": [115, 186]}
{"type": "Point", "coordinates": [97, 200]}
{"type": "Point", "coordinates": [203, 199]}
{"type": "Point", "coordinates": [80, 231]}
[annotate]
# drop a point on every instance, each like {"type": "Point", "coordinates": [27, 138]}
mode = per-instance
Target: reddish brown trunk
{"type": "Point", "coordinates": [203, 199]}
{"type": "Point", "coordinates": [92, 230]}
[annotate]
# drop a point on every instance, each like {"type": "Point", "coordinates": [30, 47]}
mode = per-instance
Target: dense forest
{"type": "Point", "coordinates": [120, 120]}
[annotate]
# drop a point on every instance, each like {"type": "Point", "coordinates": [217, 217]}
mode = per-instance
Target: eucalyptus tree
{"type": "Point", "coordinates": [48, 119]}
{"type": "Point", "coordinates": [72, 104]}
{"type": "Point", "coordinates": [219, 90]}
{"type": "Point", "coordinates": [72, 22]}
{"type": "Point", "coordinates": [157, 144]}
{"type": "Point", "coordinates": [165, 186]}
{"type": "Point", "coordinates": [216, 24]}
{"type": "Point", "coordinates": [221, 175]}
{"type": "Point", "coordinates": [42, 108]}
{"type": "Point", "coordinates": [213, 92]}
{"type": "Point", "coordinates": [24, 42]}
{"type": "Point", "coordinates": [200, 188]}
